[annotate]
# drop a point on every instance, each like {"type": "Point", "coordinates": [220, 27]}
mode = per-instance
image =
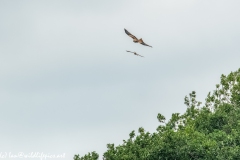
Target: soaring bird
{"type": "Point", "coordinates": [135, 40]}
{"type": "Point", "coordinates": [135, 53]}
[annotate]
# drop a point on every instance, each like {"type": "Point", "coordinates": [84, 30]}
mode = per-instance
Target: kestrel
{"type": "Point", "coordinates": [135, 40]}
{"type": "Point", "coordinates": [135, 53]}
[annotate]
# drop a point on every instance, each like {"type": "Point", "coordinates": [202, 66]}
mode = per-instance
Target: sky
{"type": "Point", "coordinates": [68, 86]}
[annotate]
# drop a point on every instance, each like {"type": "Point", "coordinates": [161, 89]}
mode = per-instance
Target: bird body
{"type": "Point", "coordinates": [135, 40]}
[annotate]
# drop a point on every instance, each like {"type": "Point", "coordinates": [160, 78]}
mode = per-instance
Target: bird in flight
{"type": "Point", "coordinates": [135, 40]}
{"type": "Point", "coordinates": [135, 53]}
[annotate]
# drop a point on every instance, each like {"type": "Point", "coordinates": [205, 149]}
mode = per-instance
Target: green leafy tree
{"type": "Point", "coordinates": [89, 156]}
{"type": "Point", "coordinates": [203, 132]}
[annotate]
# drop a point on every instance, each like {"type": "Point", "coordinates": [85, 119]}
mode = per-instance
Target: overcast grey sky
{"type": "Point", "coordinates": [67, 84]}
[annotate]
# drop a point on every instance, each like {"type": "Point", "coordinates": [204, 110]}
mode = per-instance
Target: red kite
{"type": "Point", "coordinates": [135, 53]}
{"type": "Point", "coordinates": [135, 40]}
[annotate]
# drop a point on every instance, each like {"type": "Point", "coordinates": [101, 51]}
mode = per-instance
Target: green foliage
{"type": "Point", "coordinates": [89, 156]}
{"type": "Point", "coordinates": [207, 132]}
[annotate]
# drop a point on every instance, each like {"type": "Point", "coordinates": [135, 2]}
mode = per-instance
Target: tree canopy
{"type": "Point", "coordinates": [205, 131]}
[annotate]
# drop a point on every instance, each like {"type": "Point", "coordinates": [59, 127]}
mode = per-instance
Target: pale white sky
{"type": "Point", "coordinates": [67, 84]}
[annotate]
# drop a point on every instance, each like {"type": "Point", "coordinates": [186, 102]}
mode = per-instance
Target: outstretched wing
{"type": "Point", "coordinates": [130, 51]}
{"type": "Point", "coordinates": [129, 34]}
{"type": "Point", "coordinates": [141, 42]}
{"type": "Point", "coordinates": [139, 55]}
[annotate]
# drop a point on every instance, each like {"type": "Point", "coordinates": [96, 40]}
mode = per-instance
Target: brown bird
{"type": "Point", "coordinates": [135, 40]}
{"type": "Point", "coordinates": [135, 53]}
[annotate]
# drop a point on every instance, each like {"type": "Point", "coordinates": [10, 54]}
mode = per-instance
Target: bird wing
{"type": "Point", "coordinates": [139, 55]}
{"type": "Point", "coordinates": [130, 51]}
{"type": "Point", "coordinates": [141, 42]}
{"type": "Point", "coordinates": [130, 35]}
